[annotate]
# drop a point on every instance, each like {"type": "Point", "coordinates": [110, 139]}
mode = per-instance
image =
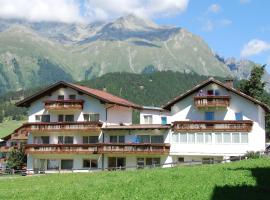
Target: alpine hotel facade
{"type": "Point", "coordinates": [73, 127]}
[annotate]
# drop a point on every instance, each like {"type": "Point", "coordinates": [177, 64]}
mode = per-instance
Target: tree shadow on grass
{"type": "Point", "coordinates": [259, 192]}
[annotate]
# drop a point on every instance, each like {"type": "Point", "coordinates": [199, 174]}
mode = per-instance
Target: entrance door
{"type": "Point", "coordinates": [115, 163]}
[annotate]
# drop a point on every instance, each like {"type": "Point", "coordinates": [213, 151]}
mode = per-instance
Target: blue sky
{"type": "Point", "coordinates": [232, 28]}
{"type": "Point", "coordinates": [228, 26]}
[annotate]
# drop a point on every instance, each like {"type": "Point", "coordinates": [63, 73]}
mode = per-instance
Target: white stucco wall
{"type": "Point", "coordinates": [185, 110]}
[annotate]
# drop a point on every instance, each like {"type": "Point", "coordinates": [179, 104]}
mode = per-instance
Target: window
{"type": "Point", "coordinates": [191, 138]}
{"type": "Point", "coordinates": [157, 139]}
{"type": "Point", "coordinates": [235, 138]}
{"type": "Point", "coordinates": [72, 96]}
{"type": "Point", "coordinates": [140, 163]}
{"type": "Point", "coordinates": [52, 164]}
{"type": "Point", "coordinates": [207, 160]}
{"type": "Point", "coordinates": [181, 159]}
{"type": "Point", "coordinates": [218, 138]}
{"type": "Point", "coordinates": [69, 118]}
{"type": "Point", "coordinates": [213, 92]}
{"type": "Point", "coordinates": [175, 137]}
{"type": "Point", "coordinates": [117, 139]}
{"type": "Point", "coordinates": [209, 115]}
{"type": "Point", "coordinates": [90, 139]}
{"type": "Point", "coordinates": [45, 139]}
{"type": "Point", "coordinates": [244, 138]}
{"type": "Point", "coordinates": [61, 97]}
{"type": "Point", "coordinates": [183, 138]}
{"type": "Point", "coordinates": [144, 138]}
{"type": "Point", "coordinates": [153, 161]}
{"type": "Point", "coordinates": [199, 138]}
{"type": "Point", "coordinates": [60, 118]}
{"type": "Point", "coordinates": [210, 92]}
{"type": "Point", "coordinates": [239, 116]}
{"type": "Point", "coordinates": [65, 139]}
{"type": "Point", "coordinates": [164, 120]}
{"type": "Point", "coordinates": [93, 117]}
{"type": "Point", "coordinates": [226, 137]}
{"type": "Point", "coordinates": [216, 92]}
{"type": "Point", "coordinates": [116, 163]}
{"type": "Point", "coordinates": [42, 118]}
{"type": "Point", "coordinates": [92, 164]}
{"type": "Point", "coordinates": [66, 164]}
{"type": "Point", "coordinates": [208, 138]}
{"type": "Point", "coordinates": [148, 119]}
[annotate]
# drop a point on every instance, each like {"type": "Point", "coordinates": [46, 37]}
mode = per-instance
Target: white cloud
{"type": "Point", "coordinates": [210, 25]}
{"type": "Point", "coordinates": [214, 8]}
{"type": "Point", "coordinates": [105, 9]}
{"type": "Point", "coordinates": [254, 47]}
{"type": "Point", "coordinates": [41, 10]}
{"type": "Point", "coordinates": [88, 10]}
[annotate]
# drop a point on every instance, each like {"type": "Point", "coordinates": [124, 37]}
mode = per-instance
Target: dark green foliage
{"type": "Point", "coordinates": [16, 158]}
{"type": "Point", "coordinates": [17, 71]}
{"type": "Point", "coordinates": [49, 72]}
{"type": "Point", "coordinates": [1, 117]}
{"type": "Point", "coordinates": [154, 89]}
{"type": "Point", "coordinates": [254, 86]}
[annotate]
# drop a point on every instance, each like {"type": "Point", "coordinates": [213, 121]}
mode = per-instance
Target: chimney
{"type": "Point", "coordinates": [229, 83]}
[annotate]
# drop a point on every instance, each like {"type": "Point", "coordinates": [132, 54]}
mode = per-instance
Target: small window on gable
{"type": "Point", "coordinates": [239, 116]}
{"type": "Point", "coordinates": [72, 96]}
{"type": "Point", "coordinates": [61, 97]}
{"type": "Point", "coordinates": [216, 92]}
{"type": "Point", "coordinates": [210, 92]}
{"type": "Point", "coordinates": [209, 115]}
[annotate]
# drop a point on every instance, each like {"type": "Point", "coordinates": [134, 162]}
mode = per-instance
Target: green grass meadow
{"type": "Point", "coordinates": [8, 127]}
{"type": "Point", "coordinates": [248, 179]}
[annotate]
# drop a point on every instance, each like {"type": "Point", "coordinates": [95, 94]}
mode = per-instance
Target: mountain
{"type": "Point", "coordinates": [38, 53]}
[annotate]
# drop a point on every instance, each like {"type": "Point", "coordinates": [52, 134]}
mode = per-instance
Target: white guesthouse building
{"type": "Point", "coordinates": [79, 128]}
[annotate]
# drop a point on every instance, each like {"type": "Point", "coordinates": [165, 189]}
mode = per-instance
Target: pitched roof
{"type": "Point", "coordinates": [101, 95]}
{"type": "Point", "coordinates": [207, 82]}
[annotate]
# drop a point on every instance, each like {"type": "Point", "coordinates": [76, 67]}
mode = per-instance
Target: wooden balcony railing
{"type": "Point", "coordinates": [65, 104]}
{"type": "Point", "coordinates": [135, 148]}
{"type": "Point", "coordinates": [97, 148]}
{"type": "Point", "coordinates": [62, 126]}
{"type": "Point", "coordinates": [215, 126]}
{"type": "Point", "coordinates": [204, 102]}
{"type": "Point", "coordinates": [61, 148]}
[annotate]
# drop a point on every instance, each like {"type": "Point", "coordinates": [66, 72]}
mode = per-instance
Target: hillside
{"type": "Point", "coordinates": [247, 179]}
{"type": "Point", "coordinates": [38, 53]}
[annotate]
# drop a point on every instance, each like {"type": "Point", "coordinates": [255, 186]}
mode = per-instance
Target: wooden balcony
{"type": "Point", "coordinates": [65, 104]}
{"type": "Point", "coordinates": [97, 148]}
{"type": "Point", "coordinates": [61, 148]}
{"type": "Point", "coordinates": [135, 148]}
{"type": "Point", "coordinates": [214, 126]}
{"type": "Point", "coordinates": [62, 126]}
{"type": "Point", "coordinates": [214, 102]}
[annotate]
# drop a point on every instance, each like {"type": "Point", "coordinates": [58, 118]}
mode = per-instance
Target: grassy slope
{"type": "Point", "coordinates": [8, 126]}
{"type": "Point", "coordinates": [249, 179]}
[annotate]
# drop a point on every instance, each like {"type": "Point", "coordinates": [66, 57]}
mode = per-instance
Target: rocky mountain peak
{"type": "Point", "coordinates": [133, 22]}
